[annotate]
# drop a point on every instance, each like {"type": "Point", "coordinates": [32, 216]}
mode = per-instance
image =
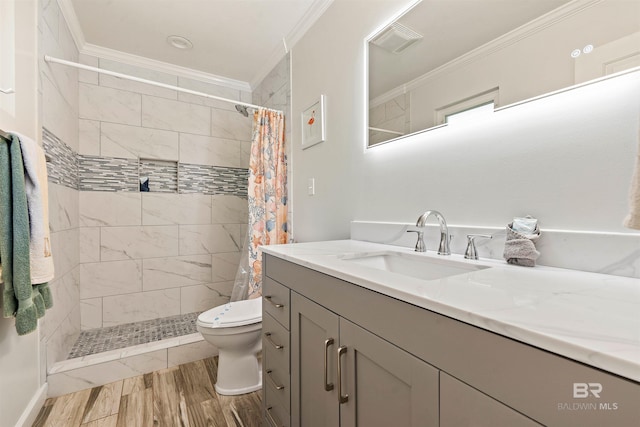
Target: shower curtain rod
{"type": "Point", "coordinates": [48, 58]}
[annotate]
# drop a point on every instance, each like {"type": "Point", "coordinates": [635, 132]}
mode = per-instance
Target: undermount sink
{"type": "Point", "coordinates": [419, 267]}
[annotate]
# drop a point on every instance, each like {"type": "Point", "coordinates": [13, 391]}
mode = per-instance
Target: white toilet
{"type": "Point", "coordinates": [235, 329]}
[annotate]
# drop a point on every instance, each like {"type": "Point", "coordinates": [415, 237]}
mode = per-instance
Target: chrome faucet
{"type": "Point", "coordinates": [443, 247]}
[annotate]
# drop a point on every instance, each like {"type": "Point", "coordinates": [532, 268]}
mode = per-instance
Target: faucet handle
{"type": "Point", "coordinates": [420, 247]}
{"type": "Point", "coordinates": [471, 252]}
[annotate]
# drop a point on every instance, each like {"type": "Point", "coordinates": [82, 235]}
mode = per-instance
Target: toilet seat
{"type": "Point", "coordinates": [238, 313]}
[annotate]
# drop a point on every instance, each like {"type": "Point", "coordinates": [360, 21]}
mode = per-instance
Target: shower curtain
{"type": "Point", "coordinates": [267, 199]}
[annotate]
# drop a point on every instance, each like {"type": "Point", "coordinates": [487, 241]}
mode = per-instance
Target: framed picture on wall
{"type": "Point", "coordinates": [313, 124]}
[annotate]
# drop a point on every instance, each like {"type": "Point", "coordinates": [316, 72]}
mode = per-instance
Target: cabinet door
{"type": "Point", "coordinates": [386, 386]}
{"type": "Point", "coordinates": [462, 406]}
{"type": "Point", "coordinates": [311, 327]}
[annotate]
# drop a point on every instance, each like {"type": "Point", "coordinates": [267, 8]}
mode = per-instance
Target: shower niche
{"type": "Point", "coordinates": [158, 176]}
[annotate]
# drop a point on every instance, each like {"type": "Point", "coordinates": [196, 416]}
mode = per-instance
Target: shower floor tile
{"type": "Point", "coordinates": [115, 337]}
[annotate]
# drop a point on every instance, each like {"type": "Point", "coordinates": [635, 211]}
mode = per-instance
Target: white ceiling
{"type": "Point", "coordinates": [239, 40]}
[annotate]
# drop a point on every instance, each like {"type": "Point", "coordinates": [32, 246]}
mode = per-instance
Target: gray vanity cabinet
{"type": "Point", "coordinates": [380, 384]}
{"type": "Point", "coordinates": [385, 385]}
{"type": "Point", "coordinates": [464, 406]}
{"type": "Point", "coordinates": [403, 365]}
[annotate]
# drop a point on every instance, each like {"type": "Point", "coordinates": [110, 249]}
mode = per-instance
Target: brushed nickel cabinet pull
{"type": "Point", "coordinates": [272, 420]}
{"type": "Point", "coordinates": [7, 91]}
{"type": "Point", "coordinates": [341, 398]}
{"type": "Point", "coordinates": [267, 335]}
{"type": "Point", "coordinates": [276, 305]}
{"type": "Point", "coordinates": [272, 381]}
{"type": "Point", "coordinates": [327, 344]}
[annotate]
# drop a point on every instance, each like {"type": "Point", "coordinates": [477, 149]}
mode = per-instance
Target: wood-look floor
{"type": "Point", "coordinates": [181, 396]}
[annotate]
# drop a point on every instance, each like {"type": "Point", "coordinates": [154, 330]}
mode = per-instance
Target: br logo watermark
{"type": "Point", "coordinates": [583, 390]}
{"type": "Point", "coordinates": [587, 391]}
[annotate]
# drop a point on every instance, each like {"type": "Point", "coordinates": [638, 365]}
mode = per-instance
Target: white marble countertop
{"type": "Point", "coordinates": [588, 317]}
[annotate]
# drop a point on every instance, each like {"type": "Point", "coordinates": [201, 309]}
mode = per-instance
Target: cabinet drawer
{"type": "Point", "coordinates": [276, 414]}
{"type": "Point", "coordinates": [275, 343]}
{"type": "Point", "coordinates": [275, 301]}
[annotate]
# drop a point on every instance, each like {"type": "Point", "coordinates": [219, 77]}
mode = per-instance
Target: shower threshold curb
{"type": "Point", "coordinates": [98, 369]}
{"type": "Point", "coordinates": [123, 353]}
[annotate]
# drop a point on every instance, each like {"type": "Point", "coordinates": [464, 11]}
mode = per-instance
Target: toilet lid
{"type": "Point", "coordinates": [238, 313]}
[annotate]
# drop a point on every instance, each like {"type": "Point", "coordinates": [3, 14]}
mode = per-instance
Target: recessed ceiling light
{"type": "Point", "coordinates": [588, 49]}
{"type": "Point", "coordinates": [179, 42]}
{"type": "Point", "coordinates": [575, 53]}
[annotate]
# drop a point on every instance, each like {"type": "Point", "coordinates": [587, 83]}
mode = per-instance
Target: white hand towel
{"type": "Point", "coordinates": [42, 270]}
{"type": "Point", "coordinates": [633, 218]}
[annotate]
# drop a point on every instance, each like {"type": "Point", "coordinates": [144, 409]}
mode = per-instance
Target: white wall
{"type": "Point", "coordinates": [565, 159]}
{"type": "Point", "coordinates": [19, 356]}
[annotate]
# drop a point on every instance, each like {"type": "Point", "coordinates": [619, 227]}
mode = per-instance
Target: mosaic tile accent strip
{"type": "Point", "coordinates": [163, 175]}
{"type": "Point", "coordinates": [97, 173]}
{"type": "Point", "coordinates": [100, 340]}
{"type": "Point", "coordinates": [62, 161]}
{"type": "Point", "coordinates": [213, 180]}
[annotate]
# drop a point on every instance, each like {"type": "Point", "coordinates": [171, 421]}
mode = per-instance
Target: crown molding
{"type": "Point", "coordinates": [527, 30]}
{"type": "Point", "coordinates": [312, 14]}
{"type": "Point", "coordinates": [69, 14]}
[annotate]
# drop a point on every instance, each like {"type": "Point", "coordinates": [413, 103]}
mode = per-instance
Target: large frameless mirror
{"type": "Point", "coordinates": [446, 57]}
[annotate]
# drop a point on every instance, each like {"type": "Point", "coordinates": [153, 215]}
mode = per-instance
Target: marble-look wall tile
{"type": "Point", "coordinates": [61, 341]}
{"type": "Point", "coordinates": [245, 156]}
{"type": "Point", "coordinates": [132, 86]}
{"type": "Point", "coordinates": [224, 266]}
{"type": "Point", "coordinates": [159, 113]}
{"type": "Point", "coordinates": [110, 105]}
{"type": "Point", "coordinates": [63, 79]}
{"type": "Point", "coordinates": [104, 373]}
{"type": "Point", "coordinates": [120, 243]}
{"type": "Point", "coordinates": [89, 134]}
{"type": "Point", "coordinates": [65, 293]}
{"type": "Point", "coordinates": [50, 13]}
{"type": "Point", "coordinates": [120, 309]}
{"type": "Point", "coordinates": [136, 142]}
{"type": "Point", "coordinates": [86, 76]}
{"type": "Point", "coordinates": [175, 272]}
{"type": "Point", "coordinates": [207, 239]}
{"type": "Point", "coordinates": [203, 297]}
{"type": "Point", "coordinates": [65, 250]}
{"type": "Point", "coordinates": [230, 125]}
{"type": "Point", "coordinates": [63, 208]}
{"type": "Point", "coordinates": [161, 209]}
{"type": "Point", "coordinates": [100, 279]}
{"type": "Point", "coordinates": [190, 353]}
{"type": "Point", "coordinates": [204, 150]}
{"type": "Point", "coordinates": [89, 244]}
{"type": "Point", "coordinates": [100, 208]}
{"type": "Point", "coordinates": [228, 209]}
{"type": "Point", "coordinates": [210, 89]}
{"type": "Point", "coordinates": [274, 81]}
{"type": "Point", "coordinates": [90, 313]}
{"type": "Point", "coordinates": [58, 116]}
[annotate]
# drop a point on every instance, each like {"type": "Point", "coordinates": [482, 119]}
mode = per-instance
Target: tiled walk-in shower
{"type": "Point", "coordinates": [99, 340]}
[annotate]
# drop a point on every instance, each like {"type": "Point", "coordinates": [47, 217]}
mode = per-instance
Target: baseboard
{"type": "Point", "coordinates": [30, 413]}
